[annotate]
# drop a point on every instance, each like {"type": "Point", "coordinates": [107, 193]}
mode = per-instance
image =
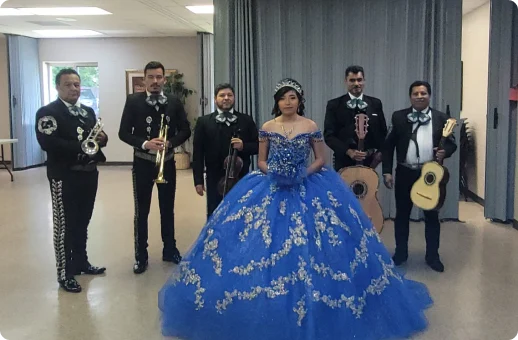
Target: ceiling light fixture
{"type": "Point", "coordinates": [209, 9]}
{"type": "Point", "coordinates": [67, 33]}
{"type": "Point", "coordinates": [64, 11]}
{"type": "Point", "coordinates": [11, 12]}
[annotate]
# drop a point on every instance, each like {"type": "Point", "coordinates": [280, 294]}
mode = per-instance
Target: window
{"type": "Point", "coordinates": [89, 73]}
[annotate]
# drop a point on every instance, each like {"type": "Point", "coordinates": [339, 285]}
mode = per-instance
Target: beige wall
{"type": "Point", "coordinates": [475, 57]}
{"type": "Point", "coordinates": [5, 121]}
{"type": "Point", "coordinates": [114, 56]}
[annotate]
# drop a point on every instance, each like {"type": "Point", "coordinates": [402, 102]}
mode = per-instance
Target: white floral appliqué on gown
{"type": "Point", "coordinates": [287, 256]}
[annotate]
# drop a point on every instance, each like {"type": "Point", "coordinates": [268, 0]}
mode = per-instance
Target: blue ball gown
{"type": "Point", "coordinates": [287, 256]}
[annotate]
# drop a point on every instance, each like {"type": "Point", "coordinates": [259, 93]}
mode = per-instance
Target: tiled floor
{"type": "Point", "coordinates": [475, 298]}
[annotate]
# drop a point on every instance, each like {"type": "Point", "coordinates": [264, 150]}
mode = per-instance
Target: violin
{"type": "Point", "coordinates": [233, 165]}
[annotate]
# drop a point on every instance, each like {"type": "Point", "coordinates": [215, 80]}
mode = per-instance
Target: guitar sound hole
{"type": "Point", "coordinates": [359, 189]}
{"type": "Point", "coordinates": [429, 178]}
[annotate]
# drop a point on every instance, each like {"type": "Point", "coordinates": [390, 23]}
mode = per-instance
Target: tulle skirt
{"type": "Point", "coordinates": [290, 262]}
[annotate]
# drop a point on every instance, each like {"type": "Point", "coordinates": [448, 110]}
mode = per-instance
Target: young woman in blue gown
{"type": "Point", "coordinates": [289, 254]}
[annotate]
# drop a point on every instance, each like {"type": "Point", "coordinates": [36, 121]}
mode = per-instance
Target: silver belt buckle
{"type": "Point", "coordinates": [411, 166]}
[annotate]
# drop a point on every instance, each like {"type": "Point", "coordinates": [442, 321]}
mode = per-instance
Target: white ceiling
{"type": "Point", "coordinates": [130, 18]}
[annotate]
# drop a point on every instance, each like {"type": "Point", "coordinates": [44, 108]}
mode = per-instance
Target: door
{"type": "Point", "coordinates": [25, 100]}
{"type": "Point", "coordinates": [501, 124]}
{"type": "Point", "coordinates": [206, 80]}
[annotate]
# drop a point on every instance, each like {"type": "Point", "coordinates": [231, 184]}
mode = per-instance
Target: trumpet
{"type": "Point", "coordinates": [90, 146]}
{"type": "Point", "coordinates": [160, 156]}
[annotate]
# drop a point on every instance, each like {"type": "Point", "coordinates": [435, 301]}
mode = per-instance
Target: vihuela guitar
{"type": "Point", "coordinates": [364, 181]}
{"type": "Point", "coordinates": [429, 191]}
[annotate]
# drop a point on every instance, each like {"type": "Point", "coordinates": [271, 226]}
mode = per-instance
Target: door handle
{"type": "Point", "coordinates": [495, 119]}
{"type": "Point", "coordinates": [203, 101]}
{"type": "Point", "coordinates": [15, 102]}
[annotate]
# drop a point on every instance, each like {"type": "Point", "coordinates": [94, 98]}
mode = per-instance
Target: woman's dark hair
{"type": "Point", "coordinates": [281, 92]}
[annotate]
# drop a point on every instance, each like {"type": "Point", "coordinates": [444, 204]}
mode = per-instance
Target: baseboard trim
{"type": "Point", "coordinates": [120, 164]}
{"type": "Point", "coordinates": [422, 219]}
{"type": "Point", "coordinates": [475, 198]}
{"type": "Point", "coordinates": [115, 163]}
{"type": "Point", "coordinates": [100, 164]}
{"type": "Point", "coordinates": [499, 221]}
{"type": "Point", "coordinates": [29, 167]}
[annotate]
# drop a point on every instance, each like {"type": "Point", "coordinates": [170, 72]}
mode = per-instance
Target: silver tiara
{"type": "Point", "coordinates": [288, 83]}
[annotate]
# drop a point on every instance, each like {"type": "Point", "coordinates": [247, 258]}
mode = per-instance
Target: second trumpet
{"type": "Point", "coordinates": [160, 156]}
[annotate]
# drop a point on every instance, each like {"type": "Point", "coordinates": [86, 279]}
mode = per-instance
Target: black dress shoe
{"type": "Point", "coordinates": [399, 258]}
{"type": "Point", "coordinates": [175, 258]}
{"type": "Point", "coordinates": [139, 267]}
{"type": "Point", "coordinates": [435, 264]}
{"type": "Point", "coordinates": [91, 270]}
{"type": "Point", "coordinates": [171, 255]}
{"type": "Point", "coordinates": [70, 285]}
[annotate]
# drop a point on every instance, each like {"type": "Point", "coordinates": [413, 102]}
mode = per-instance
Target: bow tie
{"type": "Point", "coordinates": [156, 99]}
{"type": "Point", "coordinates": [226, 118]}
{"type": "Point", "coordinates": [418, 116]}
{"type": "Point", "coordinates": [76, 111]}
{"type": "Point", "coordinates": [356, 103]}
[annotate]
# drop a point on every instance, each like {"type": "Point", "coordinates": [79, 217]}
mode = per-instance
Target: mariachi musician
{"type": "Point", "coordinates": [348, 117]}
{"type": "Point", "coordinates": [72, 137]}
{"type": "Point", "coordinates": [145, 115]}
{"type": "Point", "coordinates": [339, 124]}
{"type": "Point", "coordinates": [415, 135]}
{"type": "Point", "coordinates": [212, 136]}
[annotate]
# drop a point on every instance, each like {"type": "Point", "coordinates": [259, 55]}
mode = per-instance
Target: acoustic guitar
{"type": "Point", "coordinates": [429, 191]}
{"type": "Point", "coordinates": [364, 181]}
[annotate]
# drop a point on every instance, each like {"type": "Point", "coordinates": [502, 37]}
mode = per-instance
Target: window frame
{"type": "Point", "coordinates": [47, 75]}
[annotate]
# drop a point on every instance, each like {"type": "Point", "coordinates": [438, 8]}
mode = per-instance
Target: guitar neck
{"type": "Point", "coordinates": [441, 146]}
{"type": "Point", "coordinates": [361, 145]}
{"type": "Point", "coordinates": [446, 132]}
{"type": "Point", "coordinates": [441, 142]}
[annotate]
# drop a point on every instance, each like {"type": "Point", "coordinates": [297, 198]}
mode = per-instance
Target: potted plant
{"type": "Point", "coordinates": [176, 86]}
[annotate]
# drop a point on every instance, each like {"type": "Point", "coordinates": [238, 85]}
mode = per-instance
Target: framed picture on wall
{"type": "Point", "coordinates": [135, 80]}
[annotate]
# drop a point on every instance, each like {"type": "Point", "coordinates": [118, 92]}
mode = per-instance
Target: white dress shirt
{"type": "Point", "coordinates": [149, 93]}
{"type": "Point", "coordinates": [353, 97]}
{"type": "Point", "coordinates": [221, 111]}
{"type": "Point", "coordinates": [424, 139]}
{"type": "Point", "coordinates": [78, 103]}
